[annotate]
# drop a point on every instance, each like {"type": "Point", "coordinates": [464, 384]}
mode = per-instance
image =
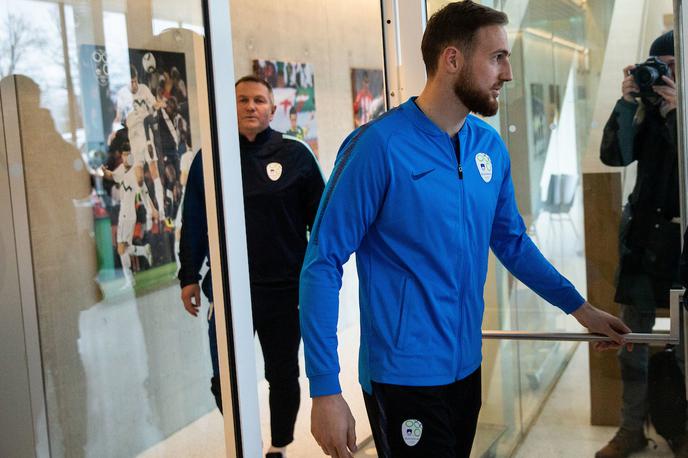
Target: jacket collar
{"type": "Point", "coordinates": [261, 139]}
{"type": "Point", "coordinates": [424, 123]}
{"type": "Point", "coordinates": [265, 144]}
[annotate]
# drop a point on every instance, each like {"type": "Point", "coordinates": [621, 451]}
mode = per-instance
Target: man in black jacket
{"type": "Point", "coordinates": [649, 236]}
{"type": "Point", "coordinates": [282, 187]}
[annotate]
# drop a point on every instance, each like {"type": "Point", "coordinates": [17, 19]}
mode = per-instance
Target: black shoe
{"type": "Point", "coordinates": [624, 443]}
{"type": "Point", "coordinates": [215, 389]}
{"type": "Point", "coordinates": [274, 455]}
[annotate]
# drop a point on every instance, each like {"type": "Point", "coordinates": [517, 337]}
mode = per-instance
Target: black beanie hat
{"type": "Point", "coordinates": [663, 45]}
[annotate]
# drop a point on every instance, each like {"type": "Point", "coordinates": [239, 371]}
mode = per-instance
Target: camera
{"type": "Point", "coordinates": [649, 74]}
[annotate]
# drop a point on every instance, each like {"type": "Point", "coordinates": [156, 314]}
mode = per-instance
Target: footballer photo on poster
{"type": "Point", "coordinates": [366, 90]}
{"type": "Point", "coordinates": [140, 176]}
{"type": "Point", "coordinates": [294, 91]}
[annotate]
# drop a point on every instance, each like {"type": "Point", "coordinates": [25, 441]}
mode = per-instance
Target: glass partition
{"type": "Point", "coordinates": [541, 124]}
{"type": "Point", "coordinates": [567, 59]}
{"type": "Point", "coordinates": [325, 63]}
{"type": "Point", "coordinates": [110, 100]}
{"type": "Point", "coordinates": [126, 371]}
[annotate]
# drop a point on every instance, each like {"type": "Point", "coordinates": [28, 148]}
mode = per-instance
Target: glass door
{"type": "Point", "coordinates": [325, 64]}
{"type": "Point", "coordinates": [104, 106]}
{"type": "Point", "coordinates": [567, 60]}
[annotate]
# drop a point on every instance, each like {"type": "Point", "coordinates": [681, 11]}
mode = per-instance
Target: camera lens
{"type": "Point", "coordinates": [646, 76]}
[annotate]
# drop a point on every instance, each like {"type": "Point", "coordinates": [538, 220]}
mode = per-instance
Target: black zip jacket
{"type": "Point", "coordinates": [655, 196]}
{"type": "Point", "coordinates": [282, 187]}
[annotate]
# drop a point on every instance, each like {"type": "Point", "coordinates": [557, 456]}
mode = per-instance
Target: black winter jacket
{"type": "Point", "coordinates": [649, 241]}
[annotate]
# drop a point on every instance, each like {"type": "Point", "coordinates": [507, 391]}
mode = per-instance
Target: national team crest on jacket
{"type": "Point", "coordinates": [274, 170]}
{"type": "Point", "coordinates": [484, 163]}
{"type": "Point", "coordinates": [411, 430]}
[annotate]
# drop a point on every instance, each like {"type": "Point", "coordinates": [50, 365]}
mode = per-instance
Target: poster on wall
{"type": "Point", "coordinates": [140, 175]}
{"type": "Point", "coordinates": [294, 91]}
{"type": "Point", "coordinates": [366, 91]}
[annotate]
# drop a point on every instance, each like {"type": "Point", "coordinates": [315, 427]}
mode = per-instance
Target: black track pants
{"type": "Point", "coordinates": [437, 421]}
{"type": "Point", "coordinates": [280, 334]}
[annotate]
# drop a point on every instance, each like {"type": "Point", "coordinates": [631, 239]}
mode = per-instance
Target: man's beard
{"type": "Point", "coordinates": [471, 96]}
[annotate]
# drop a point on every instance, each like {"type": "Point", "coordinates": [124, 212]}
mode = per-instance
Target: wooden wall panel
{"type": "Point", "coordinates": [602, 197]}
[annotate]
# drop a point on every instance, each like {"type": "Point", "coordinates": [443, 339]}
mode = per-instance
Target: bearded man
{"type": "Point", "coordinates": [421, 194]}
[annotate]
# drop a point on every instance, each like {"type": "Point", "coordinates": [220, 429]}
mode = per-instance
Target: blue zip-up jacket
{"type": "Point", "coordinates": [421, 213]}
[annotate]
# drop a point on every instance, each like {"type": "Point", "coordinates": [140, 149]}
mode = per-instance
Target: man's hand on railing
{"type": "Point", "coordinates": [600, 322]}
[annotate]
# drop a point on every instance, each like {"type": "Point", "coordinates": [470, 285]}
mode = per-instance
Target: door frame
{"type": "Point", "coordinates": [227, 242]}
{"type": "Point", "coordinates": [12, 146]}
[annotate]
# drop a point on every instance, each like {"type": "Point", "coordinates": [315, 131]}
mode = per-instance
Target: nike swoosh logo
{"type": "Point", "coordinates": [418, 176]}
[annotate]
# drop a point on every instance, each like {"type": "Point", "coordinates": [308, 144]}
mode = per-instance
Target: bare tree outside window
{"type": "Point", "coordinates": [17, 37]}
{"type": "Point", "coordinates": [34, 42]}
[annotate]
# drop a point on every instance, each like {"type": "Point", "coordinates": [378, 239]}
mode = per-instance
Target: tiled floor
{"type": "Point", "coordinates": [563, 428]}
{"type": "Point", "coordinates": [203, 438]}
{"type": "Point", "coordinates": [561, 431]}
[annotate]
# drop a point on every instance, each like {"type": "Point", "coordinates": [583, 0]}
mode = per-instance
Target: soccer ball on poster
{"type": "Point", "coordinates": [148, 63]}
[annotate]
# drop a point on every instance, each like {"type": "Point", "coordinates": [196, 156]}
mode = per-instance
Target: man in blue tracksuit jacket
{"type": "Point", "coordinates": [420, 195]}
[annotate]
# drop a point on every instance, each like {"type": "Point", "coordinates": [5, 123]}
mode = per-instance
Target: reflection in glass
{"type": "Point", "coordinates": [559, 50]}
{"type": "Point", "coordinates": [643, 129]}
{"type": "Point", "coordinates": [109, 112]}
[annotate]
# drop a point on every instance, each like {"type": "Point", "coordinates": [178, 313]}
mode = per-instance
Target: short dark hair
{"type": "Point", "coordinates": [253, 79]}
{"type": "Point", "coordinates": [133, 72]}
{"type": "Point", "coordinates": [120, 141]}
{"type": "Point", "coordinates": [456, 25]}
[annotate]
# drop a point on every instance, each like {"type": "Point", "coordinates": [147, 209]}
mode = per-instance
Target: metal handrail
{"type": "Point", "coordinates": [663, 338]}
{"type": "Point", "coordinates": [635, 338]}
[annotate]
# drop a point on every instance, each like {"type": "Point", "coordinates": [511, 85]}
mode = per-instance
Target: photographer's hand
{"type": "Point", "coordinates": [628, 86]}
{"type": "Point", "coordinates": [668, 93]}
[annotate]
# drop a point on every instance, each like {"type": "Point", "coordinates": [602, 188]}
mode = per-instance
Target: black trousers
{"type": "Point", "coordinates": [279, 334]}
{"type": "Point", "coordinates": [424, 421]}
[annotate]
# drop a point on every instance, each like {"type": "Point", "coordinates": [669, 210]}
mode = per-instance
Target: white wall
{"type": "Point", "coordinates": [332, 36]}
{"type": "Point", "coordinates": [635, 24]}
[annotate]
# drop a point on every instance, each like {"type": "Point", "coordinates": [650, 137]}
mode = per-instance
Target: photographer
{"type": "Point", "coordinates": [642, 128]}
